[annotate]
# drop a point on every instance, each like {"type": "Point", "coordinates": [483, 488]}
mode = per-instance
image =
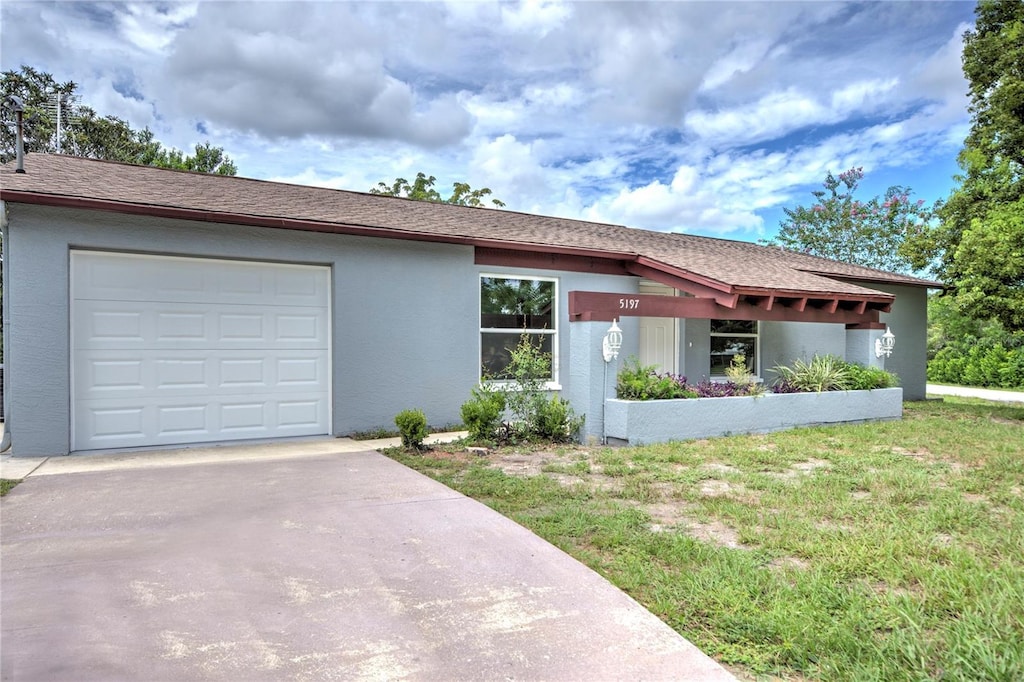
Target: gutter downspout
{"type": "Point", "coordinates": [5, 444]}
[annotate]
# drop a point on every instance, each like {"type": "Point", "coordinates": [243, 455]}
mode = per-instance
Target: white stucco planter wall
{"type": "Point", "coordinates": [639, 422]}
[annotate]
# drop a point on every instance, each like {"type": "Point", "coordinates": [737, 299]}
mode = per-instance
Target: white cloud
{"type": "Point", "coordinates": [274, 71]}
{"type": "Point", "coordinates": [741, 59]}
{"type": "Point", "coordinates": [535, 16]}
{"type": "Point", "coordinates": [150, 26]}
{"type": "Point", "coordinates": [861, 96]}
{"type": "Point", "coordinates": [773, 115]}
{"type": "Point", "coordinates": [780, 113]}
{"type": "Point", "coordinates": [698, 116]}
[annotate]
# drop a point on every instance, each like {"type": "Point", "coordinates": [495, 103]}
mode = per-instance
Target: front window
{"type": "Point", "coordinates": [509, 308]}
{"type": "Point", "coordinates": [730, 338]}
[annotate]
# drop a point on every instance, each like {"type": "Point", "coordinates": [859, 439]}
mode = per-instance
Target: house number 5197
{"type": "Point", "coordinates": [629, 303]}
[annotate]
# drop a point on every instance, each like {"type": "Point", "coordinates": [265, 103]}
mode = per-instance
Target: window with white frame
{"type": "Point", "coordinates": [730, 338]}
{"type": "Point", "coordinates": [509, 308]}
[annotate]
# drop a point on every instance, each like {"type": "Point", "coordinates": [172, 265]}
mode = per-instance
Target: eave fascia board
{"type": "Point", "coordinates": [853, 279]}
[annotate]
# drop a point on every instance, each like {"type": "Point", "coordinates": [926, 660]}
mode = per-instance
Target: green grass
{"type": "Point", "coordinates": [382, 432]}
{"type": "Point", "coordinates": [888, 551]}
{"type": "Point", "coordinates": [6, 484]}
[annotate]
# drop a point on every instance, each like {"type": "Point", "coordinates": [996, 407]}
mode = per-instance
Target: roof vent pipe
{"type": "Point", "coordinates": [14, 104]}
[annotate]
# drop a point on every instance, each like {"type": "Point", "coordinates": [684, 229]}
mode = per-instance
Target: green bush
{"type": "Point", "coordinates": [412, 425]}
{"type": "Point", "coordinates": [984, 364]}
{"type": "Point", "coordinates": [742, 378]}
{"type": "Point", "coordinates": [1011, 375]}
{"type": "Point", "coordinates": [482, 413]}
{"type": "Point", "coordinates": [642, 382]}
{"type": "Point", "coordinates": [861, 378]}
{"type": "Point", "coordinates": [556, 421]}
{"type": "Point", "coordinates": [822, 373]}
{"type": "Point", "coordinates": [969, 351]}
{"type": "Point", "coordinates": [532, 415]}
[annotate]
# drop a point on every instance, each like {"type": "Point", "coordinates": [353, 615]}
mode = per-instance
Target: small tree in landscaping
{"type": "Point", "coordinates": [521, 409]}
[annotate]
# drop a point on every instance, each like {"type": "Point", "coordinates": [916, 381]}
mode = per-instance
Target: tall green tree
{"type": "Point", "coordinates": [86, 133]}
{"type": "Point", "coordinates": [422, 189]}
{"type": "Point", "coordinates": [839, 226]}
{"type": "Point", "coordinates": [976, 248]}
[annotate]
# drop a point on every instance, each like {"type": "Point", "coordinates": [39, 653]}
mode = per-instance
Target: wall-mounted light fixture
{"type": "Point", "coordinates": [612, 342]}
{"type": "Point", "coordinates": [884, 345]}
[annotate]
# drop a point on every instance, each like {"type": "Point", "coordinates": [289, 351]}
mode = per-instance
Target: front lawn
{"type": "Point", "coordinates": [889, 551]}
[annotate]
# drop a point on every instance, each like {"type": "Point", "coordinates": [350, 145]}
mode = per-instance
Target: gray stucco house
{"type": "Point", "coordinates": [146, 307]}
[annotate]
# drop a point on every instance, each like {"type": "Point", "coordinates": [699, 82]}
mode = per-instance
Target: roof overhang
{"type": "Point", "coordinates": [724, 297]}
{"type": "Point", "coordinates": [589, 306]}
{"type": "Point", "coordinates": [719, 298]}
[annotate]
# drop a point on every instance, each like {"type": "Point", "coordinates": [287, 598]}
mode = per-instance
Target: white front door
{"type": "Point", "coordinates": [659, 336]}
{"type": "Point", "coordinates": [169, 350]}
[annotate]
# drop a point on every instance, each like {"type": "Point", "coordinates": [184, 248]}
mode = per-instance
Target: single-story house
{"type": "Point", "coordinates": [148, 307]}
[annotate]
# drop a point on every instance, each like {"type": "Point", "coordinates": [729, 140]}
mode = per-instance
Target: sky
{"type": "Point", "coordinates": [700, 117]}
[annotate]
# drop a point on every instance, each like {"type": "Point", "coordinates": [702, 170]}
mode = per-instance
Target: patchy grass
{"type": "Point", "coordinates": [891, 551]}
{"type": "Point", "coordinates": [6, 484]}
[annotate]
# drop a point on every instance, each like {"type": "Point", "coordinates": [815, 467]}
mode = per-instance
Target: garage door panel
{"type": "Point", "coordinates": [134, 277]}
{"type": "Point", "coordinates": [113, 423]}
{"type": "Point", "coordinates": [186, 372]}
{"type": "Point", "coordinates": [143, 324]}
{"type": "Point", "coordinates": [183, 420]}
{"type": "Point", "coordinates": [176, 350]}
{"type": "Point", "coordinates": [147, 374]}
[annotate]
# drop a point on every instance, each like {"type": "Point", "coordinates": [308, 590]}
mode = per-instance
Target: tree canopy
{"type": "Point", "coordinates": [422, 189]}
{"type": "Point", "coordinates": [977, 246]}
{"type": "Point", "coordinates": [838, 226]}
{"type": "Point", "coordinates": [86, 133]}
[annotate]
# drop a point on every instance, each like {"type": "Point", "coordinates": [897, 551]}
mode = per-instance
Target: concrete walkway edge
{"type": "Point", "coordinates": [993, 394]}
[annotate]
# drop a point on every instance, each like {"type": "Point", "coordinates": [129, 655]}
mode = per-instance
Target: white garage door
{"type": "Point", "coordinates": [186, 350]}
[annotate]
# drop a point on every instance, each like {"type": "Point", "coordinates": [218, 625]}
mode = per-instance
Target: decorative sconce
{"type": "Point", "coordinates": [884, 345]}
{"type": "Point", "coordinates": [612, 342]}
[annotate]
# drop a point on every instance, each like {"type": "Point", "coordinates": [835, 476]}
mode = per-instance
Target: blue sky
{"type": "Point", "coordinates": [699, 117]}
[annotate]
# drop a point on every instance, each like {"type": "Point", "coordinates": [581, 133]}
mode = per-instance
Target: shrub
{"type": "Point", "coordinates": [863, 378]}
{"type": "Point", "coordinates": [643, 382]}
{"type": "Point", "coordinates": [556, 421]}
{"type": "Point", "coordinates": [482, 413]}
{"type": "Point", "coordinates": [822, 373]}
{"type": "Point", "coordinates": [742, 378]}
{"type": "Point", "coordinates": [531, 414]}
{"type": "Point", "coordinates": [984, 364]}
{"type": "Point", "coordinates": [1011, 375]}
{"type": "Point", "coordinates": [717, 389]}
{"type": "Point", "coordinates": [412, 425]}
{"type": "Point", "coordinates": [529, 368]}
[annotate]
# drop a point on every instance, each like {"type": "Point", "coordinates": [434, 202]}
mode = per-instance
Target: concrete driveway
{"type": "Point", "coordinates": [315, 561]}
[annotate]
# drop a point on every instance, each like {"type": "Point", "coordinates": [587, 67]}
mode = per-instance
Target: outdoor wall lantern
{"type": "Point", "coordinates": [884, 345]}
{"type": "Point", "coordinates": [612, 342]}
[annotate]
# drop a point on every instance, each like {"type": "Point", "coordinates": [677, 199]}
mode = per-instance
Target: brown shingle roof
{"type": "Point", "coordinates": [73, 181]}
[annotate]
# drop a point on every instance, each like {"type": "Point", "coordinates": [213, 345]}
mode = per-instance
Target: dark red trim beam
{"type": "Point", "coordinates": [705, 288]}
{"type": "Point", "coordinates": [529, 260]}
{"type": "Point", "coordinates": [600, 306]}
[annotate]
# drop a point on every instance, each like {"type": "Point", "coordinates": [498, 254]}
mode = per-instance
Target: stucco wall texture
{"type": "Point", "coordinates": [405, 317]}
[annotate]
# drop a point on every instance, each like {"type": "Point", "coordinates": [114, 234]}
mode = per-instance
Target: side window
{"type": "Point", "coordinates": [510, 307]}
{"type": "Point", "coordinates": [734, 337]}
